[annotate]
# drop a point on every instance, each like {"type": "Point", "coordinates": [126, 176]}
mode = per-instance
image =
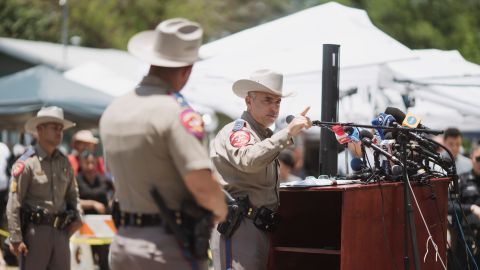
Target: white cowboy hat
{"type": "Point", "coordinates": [51, 114]}
{"type": "Point", "coordinates": [85, 136]}
{"type": "Point", "coordinates": [264, 80]}
{"type": "Point", "coordinates": [173, 43]}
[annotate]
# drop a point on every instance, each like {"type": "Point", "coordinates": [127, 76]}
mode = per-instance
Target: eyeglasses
{"type": "Point", "coordinates": [477, 159]}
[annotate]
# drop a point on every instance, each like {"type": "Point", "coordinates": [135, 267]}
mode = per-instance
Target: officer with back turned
{"type": "Point", "coordinates": [152, 142]}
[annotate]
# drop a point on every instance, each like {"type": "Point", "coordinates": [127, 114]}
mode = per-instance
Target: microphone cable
{"type": "Point", "coordinates": [430, 237]}
{"type": "Point", "coordinates": [433, 196]}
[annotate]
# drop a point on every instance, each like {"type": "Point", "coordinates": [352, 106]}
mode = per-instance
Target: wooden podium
{"type": "Point", "coordinates": [344, 227]}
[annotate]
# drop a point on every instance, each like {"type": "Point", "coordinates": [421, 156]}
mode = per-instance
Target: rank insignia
{"type": "Point", "coordinates": [193, 122]}
{"type": "Point", "coordinates": [239, 138]}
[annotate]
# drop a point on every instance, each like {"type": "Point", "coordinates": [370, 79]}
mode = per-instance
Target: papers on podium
{"type": "Point", "coordinates": [311, 181]}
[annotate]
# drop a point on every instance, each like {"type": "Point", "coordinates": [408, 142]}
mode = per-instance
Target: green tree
{"type": "Point", "coordinates": [442, 24]}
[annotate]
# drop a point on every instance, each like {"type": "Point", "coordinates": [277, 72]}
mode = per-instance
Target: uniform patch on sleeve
{"type": "Point", "coordinates": [239, 138]}
{"type": "Point", "coordinates": [13, 186]}
{"type": "Point", "coordinates": [193, 122]}
{"type": "Point", "coordinates": [18, 168]}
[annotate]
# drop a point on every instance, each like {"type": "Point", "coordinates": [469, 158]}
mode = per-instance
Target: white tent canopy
{"type": "Point", "coordinates": [445, 86]}
{"type": "Point", "coordinates": [293, 45]}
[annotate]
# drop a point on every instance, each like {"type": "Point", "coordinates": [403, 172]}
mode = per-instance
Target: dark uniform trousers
{"type": "Point", "coordinates": [47, 247]}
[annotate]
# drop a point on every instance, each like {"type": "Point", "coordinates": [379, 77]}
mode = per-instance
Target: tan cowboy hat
{"type": "Point", "coordinates": [52, 114]}
{"type": "Point", "coordinates": [174, 43]}
{"type": "Point", "coordinates": [264, 80]}
{"type": "Point", "coordinates": [85, 136]}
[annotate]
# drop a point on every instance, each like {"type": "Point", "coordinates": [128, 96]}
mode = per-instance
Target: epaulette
{"type": "Point", "coordinates": [20, 163]}
{"type": "Point", "coordinates": [180, 99]}
{"type": "Point", "coordinates": [238, 125]}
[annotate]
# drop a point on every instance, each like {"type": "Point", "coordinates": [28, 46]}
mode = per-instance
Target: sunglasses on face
{"type": "Point", "coordinates": [477, 159]}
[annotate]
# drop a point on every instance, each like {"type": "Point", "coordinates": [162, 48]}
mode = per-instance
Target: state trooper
{"type": "Point", "coordinates": [43, 208]}
{"type": "Point", "coordinates": [152, 140]}
{"type": "Point", "coordinates": [245, 153]}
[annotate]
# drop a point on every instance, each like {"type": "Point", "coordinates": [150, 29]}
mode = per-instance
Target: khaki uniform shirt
{"type": "Point", "coordinates": [149, 143]}
{"type": "Point", "coordinates": [45, 181]}
{"type": "Point", "coordinates": [250, 168]}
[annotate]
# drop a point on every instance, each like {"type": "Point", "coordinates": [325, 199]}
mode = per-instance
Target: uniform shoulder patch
{"type": "Point", "coordinates": [238, 124]}
{"type": "Point", "coordinates": [239, 138]}
{"type": "Point", "coordinates": [19, 165]}
{"type": "Point", "coordinates": [18, 168]}
{"type": "Point", "coordinates": [193, 122]}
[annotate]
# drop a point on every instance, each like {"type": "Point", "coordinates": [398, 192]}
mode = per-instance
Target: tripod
{"type": "Point", "coordinates": [402, 139]}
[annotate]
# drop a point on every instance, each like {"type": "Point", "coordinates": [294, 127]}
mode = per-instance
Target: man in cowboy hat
{"type": "Point", "coordinates": [43, 208]}
{"type": "Point", "coordinates": [245, 153]}
{"type": "Point", "coordinates": [152, 140]}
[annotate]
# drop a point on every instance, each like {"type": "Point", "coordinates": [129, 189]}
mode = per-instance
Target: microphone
{"type": "Point", "coordinates": [368, 142]}
{"type": "Point", "coordinates": [420, 149]}
{"type": "Point", "coordinates": [400, 117]}
{"type": "Point", "coordinates": [365, 134]}
{"type": "Point", "coordinates": [385, 120]}
{"type": "Point", "coordinates": [410, 120]}
{"type": "Point", "coordinates": [360, 172]}
{"type": "Point", "coordinates": [353, 133]}
{"type": "Point", "coordinates": [386, 145]}
{"type": "Point", "coordinates": [340, 134]}
{"type": "Point", "coordinates": [356, 164]}
{"type": "Point", "coordinates": [289, 118]}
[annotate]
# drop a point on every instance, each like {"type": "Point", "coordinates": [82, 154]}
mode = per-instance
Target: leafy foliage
{"type": "Point", "coordinates": [442, 24]}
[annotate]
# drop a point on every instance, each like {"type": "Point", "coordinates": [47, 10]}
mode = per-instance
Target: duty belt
{"type": "Point", "coordinates": [57, 221]}
{"type": "Point", "coordinates": [263, 218]}
{"type": "Point", "coordinates": [140, 220]}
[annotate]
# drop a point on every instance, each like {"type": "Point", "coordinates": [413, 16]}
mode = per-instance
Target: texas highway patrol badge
{"type": "Point", "coordinates": [239, 138]}
{"type": "Point", "coordinates": [193, 122]}
{"type": "Point", "coordinates": [18, 168]}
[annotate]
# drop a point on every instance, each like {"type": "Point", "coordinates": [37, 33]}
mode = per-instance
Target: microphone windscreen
{"type": "Point", "coordinates": [356, 164]}
{"type": "Point", "coordinates": [397, 170]}
{"type": "Point", "coordinates": [388, 136]}
{"type": "Point", "coordinates": [289, 119]}
{"type": "Point", "coordinates": [348, 130]}
{"type": "Point", "coordinates": [366, 134]}
{"type": "Point", "coordinates": [396, 113]}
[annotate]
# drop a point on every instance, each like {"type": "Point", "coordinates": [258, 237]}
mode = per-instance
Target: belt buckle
{"type": "Point", "coordinates": [250, 212]}
{"type": "Point", "coordinates": [138, 220]}
{"type": "Point", "coordinates": [56, 222]}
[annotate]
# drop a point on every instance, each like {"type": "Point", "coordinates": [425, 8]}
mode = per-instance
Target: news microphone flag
{"type": "Point", "coordinates": [411, 121]}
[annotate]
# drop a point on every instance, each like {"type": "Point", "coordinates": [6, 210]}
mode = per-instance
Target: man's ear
{"type": "Point", "coordinates": [248, 100]}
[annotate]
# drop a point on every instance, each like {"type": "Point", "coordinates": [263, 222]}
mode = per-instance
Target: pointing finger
{"type": "Point", "coordinates": [305, 111]}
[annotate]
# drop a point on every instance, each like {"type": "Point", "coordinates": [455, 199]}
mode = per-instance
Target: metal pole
{"type": "Point", "coordinates": [328, 157]}
{"type": "Point", "coordinates": [64, 5]}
